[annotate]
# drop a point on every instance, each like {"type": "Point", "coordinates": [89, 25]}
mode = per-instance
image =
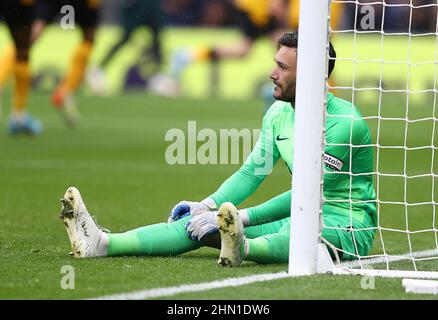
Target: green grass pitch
{"type": "Point", "coordinates": [116, 158]}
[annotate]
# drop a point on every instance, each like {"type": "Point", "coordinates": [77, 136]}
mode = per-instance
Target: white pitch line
{"type": "Point", "coordinates": [234, 282]}
{"type": "Point", "coordinates": [388, 273]}
{"type": "Point", "coordinates": [393, 258]}
{"type": "Point", "coordinates": [162, 292]}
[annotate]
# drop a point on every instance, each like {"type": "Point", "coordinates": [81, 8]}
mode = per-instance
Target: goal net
{"type": "Point", "coordinates": [386, 65]}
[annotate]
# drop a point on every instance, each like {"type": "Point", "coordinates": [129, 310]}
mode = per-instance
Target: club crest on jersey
{"type": "Point", "coordinates": [333, 162]}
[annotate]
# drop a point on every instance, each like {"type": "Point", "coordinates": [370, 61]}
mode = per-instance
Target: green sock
{"type": "Point", "coordinates": [273, 248]}
{"type": "Point", "coordinates": [162, 239]}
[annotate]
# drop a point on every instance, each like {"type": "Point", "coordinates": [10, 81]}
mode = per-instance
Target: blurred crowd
{"type": "Point", "coordinates": [393, 15]}
{"type": "Point", "coordinates": [27, 20]}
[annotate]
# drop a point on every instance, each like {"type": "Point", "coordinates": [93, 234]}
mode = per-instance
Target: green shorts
{"type": "Point", "coordinates": [342, 232]}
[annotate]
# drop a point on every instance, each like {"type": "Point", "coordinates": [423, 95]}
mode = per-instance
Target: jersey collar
{"type": "Point", "coordinates": [330, 97]}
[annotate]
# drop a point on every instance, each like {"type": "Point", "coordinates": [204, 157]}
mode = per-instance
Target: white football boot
{"type": "Point", "coordinates": [96, 80]}
{"type": "Point", "coordinates": [86, 238]}
{"type": "Point", "coordinates": [232, 235]}
{"type": "Point", "coordinates": [163, 85]}
{"type": "Point", "coordinates": [65, 103]}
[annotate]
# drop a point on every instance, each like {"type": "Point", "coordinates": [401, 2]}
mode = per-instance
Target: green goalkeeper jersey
{"type": "Point", "coordinates": [348, 163]}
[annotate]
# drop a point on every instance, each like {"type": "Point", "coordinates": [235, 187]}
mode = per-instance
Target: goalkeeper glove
{"type": "Point", "coordinates": [184, 208]}
{"type": "Point", "coordinates": [203, 223]}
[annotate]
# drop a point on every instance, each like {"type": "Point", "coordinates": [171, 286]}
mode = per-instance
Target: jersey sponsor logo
{"type": "Point", "coordinates": [281, 138]}
{"type": "Point", "coordinates": [333, 162]}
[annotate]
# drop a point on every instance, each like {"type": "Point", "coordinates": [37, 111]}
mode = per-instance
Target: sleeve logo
{"type": "Point", "coordinates": [333, 162]}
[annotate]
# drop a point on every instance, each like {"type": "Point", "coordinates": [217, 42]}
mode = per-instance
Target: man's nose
{"type": "Point", "coordinates": [273, 75]}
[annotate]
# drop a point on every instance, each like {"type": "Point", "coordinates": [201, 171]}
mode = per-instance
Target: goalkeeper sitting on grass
{"type": "Point", "coordinates": [259, 233]}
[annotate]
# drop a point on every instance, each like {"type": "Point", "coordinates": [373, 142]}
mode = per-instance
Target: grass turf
{"type": "Point", "coordinates": [116, 158]}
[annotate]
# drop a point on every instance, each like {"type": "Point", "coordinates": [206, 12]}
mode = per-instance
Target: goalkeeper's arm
{"type": "Point", "coordinates": [235, 189]}
{"type": "Point", "coordinates": [242, 183]}
{"type": "Point", "coordinates": [257, 166]}
{"type": "Point", "coordinates": [274, 209]}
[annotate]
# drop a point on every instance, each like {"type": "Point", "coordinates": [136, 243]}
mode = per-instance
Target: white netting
{"type": "Point", "coordinates": [387, 67]}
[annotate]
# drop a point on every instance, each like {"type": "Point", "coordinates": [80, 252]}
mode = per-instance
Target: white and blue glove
{"type": "Point", "coordinates": [185, 208]}
{"type": "Point", "coordinates": [202, 223]}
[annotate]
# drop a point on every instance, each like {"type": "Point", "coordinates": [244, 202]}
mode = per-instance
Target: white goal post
{"type": "Point", "coordinates": [309, 119]}
{"type": "Point", "coordinates": [308, 254]}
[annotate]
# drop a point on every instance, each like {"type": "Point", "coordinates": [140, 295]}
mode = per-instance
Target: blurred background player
{"type": "Point", "coordinates": [15, 60]}
{"type": "Point", "coordinates": [86, 16]}
{"type": "Point", "coordinates": [133, 14]}
{"type": "Point", "coordinates": [254, 18]}
{"type": "Point", "coordinates": [336, 14]}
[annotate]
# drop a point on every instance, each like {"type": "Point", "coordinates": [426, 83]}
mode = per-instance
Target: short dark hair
{"type": "Point", "coordinates": [290, 40]}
